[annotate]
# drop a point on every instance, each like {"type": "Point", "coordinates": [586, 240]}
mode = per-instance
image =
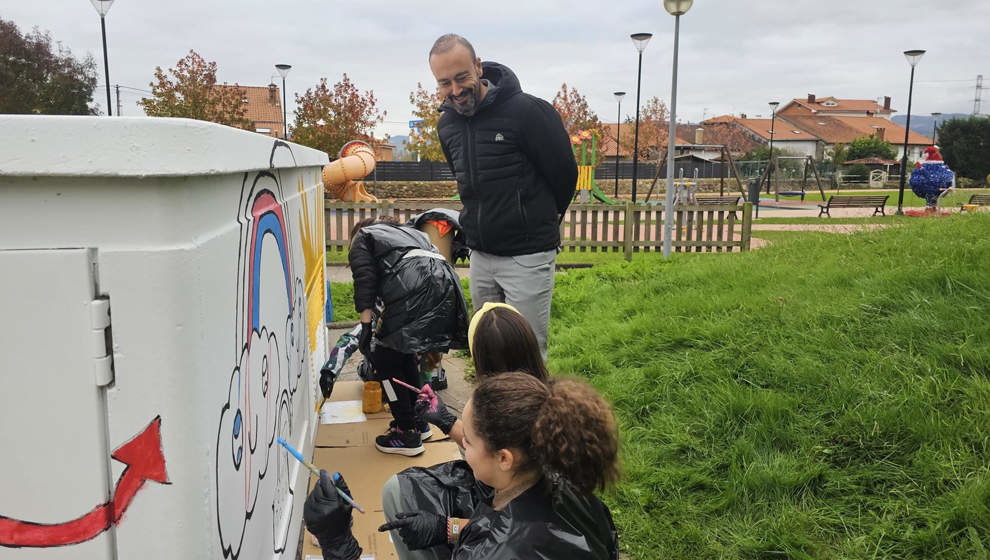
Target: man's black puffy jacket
{"type": "Point", "coordinates": [514, 167]}
{"type": "Point", "coordinates": [425, 309]}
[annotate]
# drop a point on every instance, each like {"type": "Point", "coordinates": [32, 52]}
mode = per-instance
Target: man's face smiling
{"type": "Point", "coordinates": [459, 79]}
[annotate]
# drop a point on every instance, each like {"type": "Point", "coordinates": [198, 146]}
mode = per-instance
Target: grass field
{"type": "Point", "coordinates": [827, 397]}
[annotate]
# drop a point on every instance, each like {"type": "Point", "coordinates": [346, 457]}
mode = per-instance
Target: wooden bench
{"type": "Point", "coordinates": [976, 200]}
{"type": "Point", "coordinates": [717, 199]}
{"type": "Point", "coordinates": [876, 202]}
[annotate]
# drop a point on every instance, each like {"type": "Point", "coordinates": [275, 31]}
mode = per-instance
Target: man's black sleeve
{"type": "Point", "coordinates": [549, 147]}
{"type": "Point", "coordinates": [361, 258]}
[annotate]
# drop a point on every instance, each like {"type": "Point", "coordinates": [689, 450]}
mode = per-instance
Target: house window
{"type": "Point", "coordinates": [830, 104]}
{"type": "Point", "coordinates": [244, 100]}
{"type": "Point", "coordinates": [263, 130]}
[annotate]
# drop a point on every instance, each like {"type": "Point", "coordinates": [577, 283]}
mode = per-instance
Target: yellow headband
{"type": "Point", "coordinates": [477, 318]}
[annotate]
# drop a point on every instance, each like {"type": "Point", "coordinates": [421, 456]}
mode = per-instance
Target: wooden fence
{"type": "Point", "coordinates": [586, 227]}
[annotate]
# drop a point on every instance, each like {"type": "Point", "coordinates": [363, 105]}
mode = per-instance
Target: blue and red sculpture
{"type": "Point", "coordinates": [931, 177]}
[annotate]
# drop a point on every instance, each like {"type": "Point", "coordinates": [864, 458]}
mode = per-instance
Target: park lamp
{"type": "Point", "coordinates": [677, 7]}
{"type": "Point", "coordinates": [640, 40]}
{"type": "Point", "coordinates": [913, 56]}
{"type": "Point", "coordinates": [102, 6]}
{"type": "Point", "coordinates": [283, 70]}
{"type": "Point", "coordinates": [618, 128]}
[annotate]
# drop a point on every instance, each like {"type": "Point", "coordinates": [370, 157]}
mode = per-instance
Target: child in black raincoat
{"type": "Point", "coordinates": [423, 310]}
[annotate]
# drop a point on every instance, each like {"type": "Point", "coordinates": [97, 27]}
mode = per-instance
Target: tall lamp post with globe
{"type": "Point", "coordinates": [676, 8]}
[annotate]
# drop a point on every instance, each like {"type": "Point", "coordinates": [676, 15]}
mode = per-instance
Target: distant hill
{"type": "Point", "coordinates": [923, 124]}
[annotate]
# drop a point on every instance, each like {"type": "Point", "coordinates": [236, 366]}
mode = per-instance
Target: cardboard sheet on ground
{"type": "Point", "coordinates": [362, 433]}
{"type": "Point", "coordinates": [366, 470]}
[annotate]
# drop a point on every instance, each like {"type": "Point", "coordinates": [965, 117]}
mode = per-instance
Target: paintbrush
{"type": "Point", "coordinates": [319, 472]}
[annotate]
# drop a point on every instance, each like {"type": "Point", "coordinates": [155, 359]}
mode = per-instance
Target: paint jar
{"type": "Point", "coordinates": [372, 397]}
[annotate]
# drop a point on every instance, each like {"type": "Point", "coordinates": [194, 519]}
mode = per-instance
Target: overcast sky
{"type": "Point", "coordinates": [735, 55]}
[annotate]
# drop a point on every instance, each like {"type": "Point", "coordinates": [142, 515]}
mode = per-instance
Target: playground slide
{"type": "Point", "coordinates": [356, 160]}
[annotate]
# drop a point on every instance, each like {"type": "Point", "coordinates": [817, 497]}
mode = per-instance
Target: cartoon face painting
{"type": "Point", "coordinates": [253, 488]}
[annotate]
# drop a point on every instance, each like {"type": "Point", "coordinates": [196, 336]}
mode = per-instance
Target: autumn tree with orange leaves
{"type": "Point", "coordinates": [653, 130]}
{"type": "Point", "coordinates": [327, 118]}
{"type": "Point", "coordinates": [577, 116]}
{"type": "Point", "coordinates": [192, 92]}
{"type": "Point", "coordinates": [425, 141]}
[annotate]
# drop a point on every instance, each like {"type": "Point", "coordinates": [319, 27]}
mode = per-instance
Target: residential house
{"type": "Point", "coordinates": [840, 121]}
{"type": "Point", "coordinates": [813, 126]}
{"type": "Point", "coordinates": [264, 108]}
{"type": "Point", "coordinates": [685, 136]}
{"type": "Point", "coordinates": [833, 107]}
{"type": "Point", "coordinates": [742, 134]}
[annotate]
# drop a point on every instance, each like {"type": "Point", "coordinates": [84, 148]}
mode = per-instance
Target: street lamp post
{"type": "Point", "coordinates": [283, 70]}
{"type": "Point", "coordinates": [102, 7]}
{"type": "Point", "coordinates": [676, 8]}
{"type": "Point", "coordinates": [912, 56]}
{"type": "Point", "coordinates": [773, 120]}
{"type": "Point", "coordinates": [935, 117]}
{"type": "Point", "coordinates": [640, 40]}
{"type": "Point", "coordinates": [618, 128]}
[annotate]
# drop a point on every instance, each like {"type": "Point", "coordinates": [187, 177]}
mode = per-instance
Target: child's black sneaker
{"type": "Point", "coordinates": [398, 442]}
{"type": "Point", "coordinates": [424, 428]}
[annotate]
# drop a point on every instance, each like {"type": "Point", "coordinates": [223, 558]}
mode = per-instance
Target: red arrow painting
{"type": "Point", "coordinates": [145, 461]}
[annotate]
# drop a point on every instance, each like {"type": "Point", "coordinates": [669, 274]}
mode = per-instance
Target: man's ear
{"type": "Point", "coordinates": [506, 459]}
{"type": "Point", "coordinates": [477, 66]}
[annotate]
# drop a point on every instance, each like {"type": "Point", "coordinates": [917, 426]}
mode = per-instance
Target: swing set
{"type": "Point", "coordinates": [809, 163]}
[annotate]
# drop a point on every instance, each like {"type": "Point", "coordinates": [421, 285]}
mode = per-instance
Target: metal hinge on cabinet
{"type": "Point", "coordinates": [101, 342]}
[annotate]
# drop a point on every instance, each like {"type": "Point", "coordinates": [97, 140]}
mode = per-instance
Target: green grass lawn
{"type": "Point", "coordinates": [911, 200]}
{"type": "Point", "coordinates": [827, 397]}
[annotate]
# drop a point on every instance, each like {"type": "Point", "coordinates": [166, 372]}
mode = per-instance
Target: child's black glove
{"type": "Point", "coordinates": [364, 339]}
{"type": "Point", "coordinates": [429, 407]}
{"type": "Point", "coordinates": [419, 529]}
{"type": "Point", "coordinates": [326, 382]}
{"type": "Point", "coordinates": [328, 518]}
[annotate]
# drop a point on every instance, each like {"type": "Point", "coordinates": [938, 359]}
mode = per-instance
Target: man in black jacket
{"type": "Point", "coordinates": [515, 173]}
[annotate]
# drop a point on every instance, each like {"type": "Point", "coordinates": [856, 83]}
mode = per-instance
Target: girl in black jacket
{"type": "Point", "coordinates": [423, 310]}
{"type": "Point", "coordinates": [543, 449]}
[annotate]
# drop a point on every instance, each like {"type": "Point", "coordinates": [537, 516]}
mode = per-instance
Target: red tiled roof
{"type": "Point", "coordinates": [841, 105]}
{"type": "Point", "coordinates": [782, 130]}
{"type": "Point", "coordinates": [262, 109]}
{"type": "Point", "coordinates": [836, 130]}
{"type": "Point", "coordinates": [685, 135]}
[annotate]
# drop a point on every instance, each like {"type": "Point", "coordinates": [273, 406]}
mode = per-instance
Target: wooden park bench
{"type": "Point", "coordinates": [976, 200]}
{"type": "Point", "coordinates": [876, 202]}
{"type": "Point", "coordinates": [718, 200]}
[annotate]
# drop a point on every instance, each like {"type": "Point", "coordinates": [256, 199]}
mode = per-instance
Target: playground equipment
{"type": "Point", "coordinates": [809, 163]}
{"type": "Point", "coordinates": [355, 160]}
{"type": "Point", "coordinates": [586, 187]}
{"type": "Point", "coordinates": [725, 156]}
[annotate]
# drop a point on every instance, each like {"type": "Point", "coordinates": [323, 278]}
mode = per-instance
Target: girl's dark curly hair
{"type": "Point", "coordinates": [562, 427]}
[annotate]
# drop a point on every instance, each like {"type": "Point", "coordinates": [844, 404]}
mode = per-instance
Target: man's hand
{"type": "Point", "coordinates": [364, 339]}
{"type": "Point", "coordinates": [419, 529]}
{"type": "Point", "coordinates": [328, 518]}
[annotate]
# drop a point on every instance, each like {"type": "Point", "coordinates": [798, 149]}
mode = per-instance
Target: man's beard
{"type": "Point", "coordinates": [471, 106]}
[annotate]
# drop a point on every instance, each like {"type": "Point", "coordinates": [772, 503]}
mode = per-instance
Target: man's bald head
{"type": "Point", "coordinates": [448, 42]}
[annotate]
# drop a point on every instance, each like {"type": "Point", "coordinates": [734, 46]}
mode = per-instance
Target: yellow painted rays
{"type": "Point", "coordinates": [314, 246]}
